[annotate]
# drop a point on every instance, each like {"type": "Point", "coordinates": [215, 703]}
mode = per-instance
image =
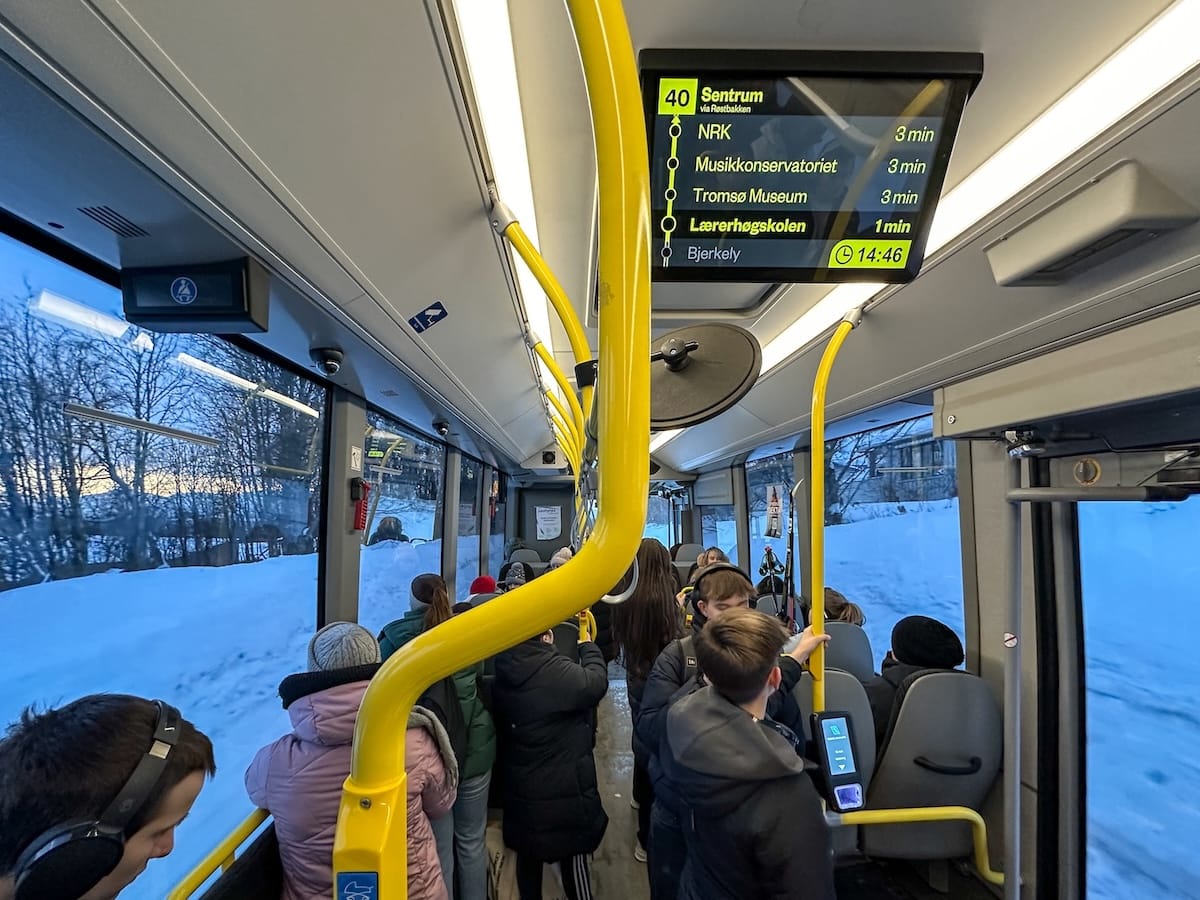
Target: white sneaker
{"type": "Point", "coordinates": [633, 804]}
{"type": "Point", "coordinates": [638, 853]}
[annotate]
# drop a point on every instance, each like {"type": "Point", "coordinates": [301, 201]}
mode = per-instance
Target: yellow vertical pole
{"type": "Point", "coordinates": [370, 846]}
{"type": "Point", "coordinates": [816, 662]}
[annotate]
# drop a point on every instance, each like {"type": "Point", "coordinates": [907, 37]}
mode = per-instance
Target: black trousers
{"type": "Point", "coordinates": [576, 879]}
{"type": "Point", "coordinates": [666, 854]}
{"type": "Point", "coordinates": [643, 793]}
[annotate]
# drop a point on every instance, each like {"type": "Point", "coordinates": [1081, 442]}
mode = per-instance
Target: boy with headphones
{"type": "Point", "coordinates": [91, 792]}
{"type": "Point", "coordinates": [716, 589]}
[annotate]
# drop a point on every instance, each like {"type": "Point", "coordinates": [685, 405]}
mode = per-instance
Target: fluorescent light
{"type": "Point", "coordinates": [1158, 55]}
{"type": "Point", "coordinates": [199, 365]}
{"type": "Point", "coordinates": [663, 437]}
{"type": "Point", "coordinates": [383, 435]}
{"type": "Point", "coordinates": [77, 316]}
{"type": "Point", "coordinates": [1162, 52]}
{"type": "Point", "coordinates": [487, 40]}
{"type": "Point", "coordinates": [285, 400]}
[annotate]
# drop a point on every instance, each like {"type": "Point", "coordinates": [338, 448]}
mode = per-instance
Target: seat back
{"type": "Point", "coordinates": [943, 747]}
{"type": "Point", "coordinates": [525, 555]}
{"type": "Point", "coordinates": [685, 558]}
{"type": "Point", "coordinates": [257, 872]}
{"type": "Point", "coordinates": [849, 649]}
{"type": "Point", "coordinates": [844, 693]}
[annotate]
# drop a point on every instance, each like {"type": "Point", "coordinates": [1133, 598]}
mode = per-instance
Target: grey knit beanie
{"type": "Point", "coordinates": [341, 645]}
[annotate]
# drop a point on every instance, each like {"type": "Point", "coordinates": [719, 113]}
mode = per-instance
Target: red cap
{"type": "Point", "coordinates": [484, 584]}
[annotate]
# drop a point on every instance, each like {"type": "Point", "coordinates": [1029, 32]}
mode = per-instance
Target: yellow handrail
{"type": "Point", "coordinates": [565, 418]}
{"type": "Point", "coordinates": [565, 386]}
{"type": "Point", "coordinates": [221, 857]}
{"type": "Point", "coordinates": [370, 844]}
{"type": "Point", "coordinates": [588, 630]}
{"type": "Point", "coordinates": [566, 442]}
{"type": "Point", "coordinates": [558, 298]}
{"type": "Point", "coordinates": [816, 662]}
{"type": "Point", "coordinates": [931, 814]}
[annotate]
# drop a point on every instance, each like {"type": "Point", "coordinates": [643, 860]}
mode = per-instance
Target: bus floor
{"type": "Point", "coordinates": [616, 874]}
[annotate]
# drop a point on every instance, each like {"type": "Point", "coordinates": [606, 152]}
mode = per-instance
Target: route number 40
{"type": "Point", "coordinates": [677, 96]}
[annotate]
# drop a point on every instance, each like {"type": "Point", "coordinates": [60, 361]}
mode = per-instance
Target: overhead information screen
{"type": "Point", "coordinates": [796, 166]}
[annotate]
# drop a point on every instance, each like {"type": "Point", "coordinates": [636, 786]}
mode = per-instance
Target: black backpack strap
{"type": "Point", "coordinates": [688, 647]}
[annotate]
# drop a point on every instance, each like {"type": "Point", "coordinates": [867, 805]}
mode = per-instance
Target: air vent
{"type": "Point", "coordinates": [114, 221]}
{"type": "Point", "coordinates": [1110, 215]}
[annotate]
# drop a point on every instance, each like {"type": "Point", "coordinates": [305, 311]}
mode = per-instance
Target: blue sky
{"type": "Point", "coordinates": [19, 262]}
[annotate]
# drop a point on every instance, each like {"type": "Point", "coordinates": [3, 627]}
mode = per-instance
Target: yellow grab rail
{"type": "Point", "coordinates": [588, 630]}
{"type": "Point", "coordinates": [567, 443]}
{"type": "Point", "coordinates": [563, 385]}
{"type": "Point", "coordinates": [512, 230]}
{"type": "Point", "coordinates": [816, 662]}
{"type": "Point", "coordinates": [929, 814]}
{"type": "Point", "coordinates": [565, 420]}
{"type": "Point", "coordinates": [221, 857]}
{"type": "Point", "coordinates": [370, 844]}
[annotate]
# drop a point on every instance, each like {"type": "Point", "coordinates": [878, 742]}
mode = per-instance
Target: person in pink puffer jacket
{"type": "Point", "coordinates": [299, 777]}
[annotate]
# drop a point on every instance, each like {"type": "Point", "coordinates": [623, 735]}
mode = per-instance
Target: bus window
{"type": "Point", "coordinates": [470, 493]}
{"type": "Point", "coordinates": [160, 502]}
{"type": "Point", "coordinates": [892, 542]}
{"type": "Point", "coordinates": [1139, 573]}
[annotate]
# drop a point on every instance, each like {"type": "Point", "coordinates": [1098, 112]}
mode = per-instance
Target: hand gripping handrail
{"type": "Point", "coordinates": [220, 857]}
{"type": "Point", "coordinates": [816, 662]}
{"type": "Point", "coordinates": [370, 844]}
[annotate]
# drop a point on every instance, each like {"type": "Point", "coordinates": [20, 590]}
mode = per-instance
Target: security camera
{"type": "Point", "coordinates": [441, 426]}
{"type": "Point", "coordinates": [328, 359]}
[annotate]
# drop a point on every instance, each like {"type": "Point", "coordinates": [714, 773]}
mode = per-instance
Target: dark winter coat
{"type": "Point", "coordinates": [672, 679]}
{"type": "Point", "coordinates": [544, 706]}
{"type": "Point", "coordinates": [881, 693]}
{"type": "Point", "coordinates": [481, 732]}
{"type": "Point", "coordinates": [604, 630]}
{"type": "Point", "coordinates": [752, 819]}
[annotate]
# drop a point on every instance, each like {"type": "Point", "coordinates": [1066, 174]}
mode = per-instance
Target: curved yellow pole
{"type": "Point", "coordinates": [565, 440]}
{"type": "Point", "coordinates": [933, 814]}
{"type": "Point", "coordinates": [816, 662]}
{"type": "Point", "coordinates": [587, 626]}
{"type": "Point", "coordinates": [565, 386]}
{"type": "Point", "coordinates": [370, 844]}
{"type": "Point", "coordinates": [566, 421]}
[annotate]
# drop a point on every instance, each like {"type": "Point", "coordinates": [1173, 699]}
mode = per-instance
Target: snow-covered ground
{"type": "Point", "coordinates": [217, 641]}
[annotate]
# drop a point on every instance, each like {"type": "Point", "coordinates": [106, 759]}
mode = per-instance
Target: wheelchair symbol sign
{"type": "Point", "coordinates": [183, 290]}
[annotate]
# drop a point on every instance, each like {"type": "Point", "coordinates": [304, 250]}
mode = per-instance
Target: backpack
{"type": "Point", "coordinates": [441, 699]}
{"type": "Point", "coordinates": [691, 668]}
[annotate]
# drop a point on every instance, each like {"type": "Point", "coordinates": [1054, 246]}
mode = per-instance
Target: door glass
{"type": "Point", "coordinates": [1139, 572]}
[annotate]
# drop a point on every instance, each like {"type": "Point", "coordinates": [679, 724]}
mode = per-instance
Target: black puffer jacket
{"type": "Point", "coordinates": [751, 817]}
{"type": "Point", "coordinates": [544, 706]}
{"type": "Point", "coordinates": [881, 693]}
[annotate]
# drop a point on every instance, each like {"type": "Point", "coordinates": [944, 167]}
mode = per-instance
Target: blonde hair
{"type": "Point", "coordinates": [839, 609]}
{"type": "Point", "coordinates": [737, 652]}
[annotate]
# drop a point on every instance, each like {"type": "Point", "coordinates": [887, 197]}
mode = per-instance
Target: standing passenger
{"type": "Point", "coordinates": [461, 838]}
{"type": "Point", "coordinates": [64, 768]}
{"type": "Point", "coordinates": [299, 777]}
{"type": "Point", "coordinates": [552, 810]}
{"type": "Point", "coordinates": [753, 821]}
{"type": "Point", "coordinates": [716, 590]}
{"type": "Point", "coordinates": [643, 625]}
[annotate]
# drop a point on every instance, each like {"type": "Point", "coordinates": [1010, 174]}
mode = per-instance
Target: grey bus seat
{"type": "Point", "coordinates": [943, 747]}
{"type": "Point", "coordinates": [525, 555]}
{"type": "Point", "coordinates": [257, 872]}
{"type": "Point", "coordinates": [844, 693]}
{"type": "Point", "coordinates": [685, 558]}
{"type": "Point", "coordinates": [849, 649]}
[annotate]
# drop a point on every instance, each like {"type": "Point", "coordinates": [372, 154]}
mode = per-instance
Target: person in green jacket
{"type": "Point", "coordinates": [460, 836]}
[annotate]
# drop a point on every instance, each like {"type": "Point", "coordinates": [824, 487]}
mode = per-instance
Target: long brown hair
{"type": "Point", "coordinates": [431, 590]}
{"type": "Point", "coordinates": [650, 619]}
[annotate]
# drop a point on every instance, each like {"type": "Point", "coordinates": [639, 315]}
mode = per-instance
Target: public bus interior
{"type": "Point", "coordinates": [176, 509]}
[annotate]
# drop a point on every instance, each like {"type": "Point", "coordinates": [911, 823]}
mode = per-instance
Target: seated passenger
{"type": "Point", "coordinates": [707, 558]}
{"type": "Point", "coordinates": [918, 642]}
{"type": "Point", "coordinates": [544, 705]}
{"type": "Point", "coordinates": [482, 589]}
{"type": "Point", "coordinates": [715, 591]}
{"type": "Point", "coordinates": [839, 609]}
{"type": "Point", "coordinates": [299, 777]}
{"type": "Point", "coordinates": [561, 557]}
{"type": "Point", "coordinates": [62, 769]}
{"type": "Point", "coordinates": [754, 825]}
{"type": "Point", "coordinates": [514, 574]}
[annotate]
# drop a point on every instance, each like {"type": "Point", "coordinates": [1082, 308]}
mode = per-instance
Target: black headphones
{"type": "Point", "coordinates": [697, 591]}
{"type": "Point", "coordinates": [69, 860]}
